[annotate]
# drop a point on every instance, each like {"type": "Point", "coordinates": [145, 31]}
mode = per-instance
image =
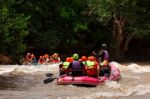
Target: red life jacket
{"type": "Point", "coordinates": [91, 68]}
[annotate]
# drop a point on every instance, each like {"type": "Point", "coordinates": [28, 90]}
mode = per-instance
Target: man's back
{"type": "Point", "coordinates": [76, 68]}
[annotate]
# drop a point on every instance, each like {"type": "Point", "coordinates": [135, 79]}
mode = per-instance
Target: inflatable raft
{"type": "Point", "coordinates": [86, 80]}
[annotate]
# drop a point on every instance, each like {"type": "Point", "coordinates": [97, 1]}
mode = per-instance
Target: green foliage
{"type": "Point", "coordinates": [143, 22]}
{"type": "Point", "coordinates": [106, 9]}
{"type": "Point", "coordinates": [48, 40]}
{"type": "Point", "coordinates": [103, 8]}
{"type": "Point", "coordinates": [132, 11]}
{"type": "Point", "coordinates": [122, 18]}
{"type": "Point", "coordinates": [54, 22]}
{"type": "Point", "coordinates": [13, 30]}
{"type": "Point", "coordinates": [78, 26]}
{"type": "Point", "coordinates": [67, 24]}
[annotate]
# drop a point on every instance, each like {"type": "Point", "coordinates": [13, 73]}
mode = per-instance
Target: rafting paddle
{"type": "Point", "coordinates": [46, 81]}
{"type": "Point", "coordinates": [49, 74]}
{"type": "Point", "coordinates": [50, 79]}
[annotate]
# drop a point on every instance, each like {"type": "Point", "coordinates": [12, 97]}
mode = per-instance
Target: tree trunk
{"type": "Point", "coordinates": [121, 37]}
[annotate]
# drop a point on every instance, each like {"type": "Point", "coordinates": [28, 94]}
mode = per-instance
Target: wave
{"type": "Point", "coordinates": [132, 67]}
{"type": "Point", "coordinates": [121, 89]}
{"type": "Point", "coordinates": [54, 68]}
{"type": "Point", "coordinates": [28, 68]}
{"type": "Point", "coordinates": [124, 91]}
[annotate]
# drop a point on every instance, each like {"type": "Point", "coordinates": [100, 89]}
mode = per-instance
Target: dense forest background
{"type": "Point", "coordinates": [68, 26]}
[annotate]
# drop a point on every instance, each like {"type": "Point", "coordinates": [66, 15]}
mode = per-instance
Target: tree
{"type": "Point", "coordinates": [120, 17]}
{"type": "Point", "coordinates": [54, 23]}
{"type": "Point", "coordinates": [13, 30]}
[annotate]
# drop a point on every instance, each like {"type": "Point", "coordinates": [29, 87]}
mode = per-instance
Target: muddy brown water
{"type": "Point", "coordinates": [20, 84]}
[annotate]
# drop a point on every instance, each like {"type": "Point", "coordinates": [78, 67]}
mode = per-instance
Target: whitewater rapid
{"type": "Point", "coordinates": [28, 68]}
{"type": "Point", "coordinates": [135, 81]}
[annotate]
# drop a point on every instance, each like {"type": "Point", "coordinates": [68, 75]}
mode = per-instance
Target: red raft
{"type": "Point", "coordinates": [86, 80]}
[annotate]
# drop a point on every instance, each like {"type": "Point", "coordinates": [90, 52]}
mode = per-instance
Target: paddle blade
{"type": "Point", "coordinates": [46, 81]}
{"type": "Point", "coordinates": [49, 74]}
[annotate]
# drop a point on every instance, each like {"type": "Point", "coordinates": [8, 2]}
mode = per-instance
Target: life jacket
{"type": "Point", "coordinates": [41, 61]}
{"type": "Point", "coordinates": [65, 65]}
{"type": "Point", "coordinates": [104, 63]}
{"type": "Point", "coordinates": [104, 58]}
{"type": "Point", "coordinates": [76, 66]}
{"type": "Point", "coordinates": [104, 55]}
{"type": "Point", "coordinates": [28, 57]}
{"type": "Point", "coordinates": [90, 64]}
{"type": "Point", "coordinates": [84, 63]}
{"type": "Point", "coordinates": [91, 68]}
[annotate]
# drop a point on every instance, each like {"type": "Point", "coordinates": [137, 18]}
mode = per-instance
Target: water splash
{"type": "Point", "coordinates": [138, 69]}
{"type": "Point", "coordinates": [113, 84]}
{"type": "Point", "coordinates": [127, 88]}
{"type": "Point", "coordinates": [7, 69]}
{"type": "Point", "coordinates": [137, 90]}
{"type": "Point", "coordinates": [29, 68]}
{"type": "Point", "coordinates": [132, 67]}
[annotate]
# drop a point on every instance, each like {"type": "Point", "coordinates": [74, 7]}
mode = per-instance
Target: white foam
{"type": "Point", "coordinates": [7, 69]}
{"type": "Point", "coordinates": [138, 69]}
{"type": "Point", "coordinates": [28, 68]}
{"type": "Point", "coordinates": [125, 91]}
{"type": "Point", "coordinates": [112, 84]}
{"type": "Point", "coordinates": [128, 76]}
{"type": "Point", "coordinates": [143, 89]}
{"type": "Point", "coordinates": [54, 67]}
{"type": "Point", "coordinates": [132, 67]}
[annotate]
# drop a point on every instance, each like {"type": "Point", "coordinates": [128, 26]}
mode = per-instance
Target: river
{"type": "Point", "coordinates": [26, 82]}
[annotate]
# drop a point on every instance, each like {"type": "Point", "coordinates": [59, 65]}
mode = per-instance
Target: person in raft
{"type": "Point", "coordinates": [103, 59]}
{"type": "Point", "coordinates": [55, 58]}
{"type": "Point", "coordinates": [33, 59]}
{"type": "Point", "coordinates": [63, 68]}
{"type": "Point", "coordinates": [91, 67]}
{"type": "Point", "coordinates": [28, 58]}
{"type": "Point", "coordinates": [41, 60]}
{"type": "Point", "coordinates": [76, 67]}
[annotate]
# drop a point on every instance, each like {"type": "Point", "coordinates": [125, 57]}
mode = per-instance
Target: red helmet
{"type": "Point", "coordinates": [91, 58]}
{"type": "Point", "coordinates": [68, 59]}
{"type": "Point", "coordinates": [32, 55]}
{"type": "Point", "coordinates": [83, 58]}
{"type": "Point", "coordinates": [46, 55]}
